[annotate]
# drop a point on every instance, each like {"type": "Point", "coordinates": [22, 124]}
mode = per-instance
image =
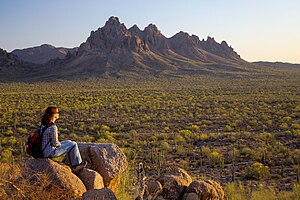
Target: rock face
{"type": "Point", "coordinates": [106, 159]}
{"type": "Point", "coordinates": [175, 183]}
{"type": "Point", "coordinates": [59, 175]}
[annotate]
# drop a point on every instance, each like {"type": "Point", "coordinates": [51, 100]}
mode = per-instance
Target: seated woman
{"type": "Point", "coordinates": [51, 145]}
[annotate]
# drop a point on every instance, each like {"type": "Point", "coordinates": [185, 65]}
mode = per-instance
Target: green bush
{"type": "Point", "coordinates": [257, 171]}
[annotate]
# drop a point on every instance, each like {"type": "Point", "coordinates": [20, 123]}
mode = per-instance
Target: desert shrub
{"type": "Point", "coordinates": [164, 145]}
{"type": "Point", "coordinates": [185, 133]}
{"type": "Point", "coordinates": [215, 158]}
{"type": "Point", "coordinates": [296, 190]}
{"type": "Point", "coordinates": [9, 132]}
{"type": "Point", "coordinates": [179, 139]}
{"type": "Point", "coordinates": [195, 128]}
{"type": "Point", "coordinates": [285, 195]}
{"type": "Point", "coordinates": [246, 151]}
{"type": "Point", "coordinates": [203, 137]}
{"type": "Point", "coordinates": [228, 128]}
{"type": "Point", "coordinates": [257, 171]}
{"type": "Point", "coordinates": [6, 155]}
{"type": "Point", "coordinates": [263, 193]}
{"type": "Point", "coordinates": [235, 191]}
{"type": "Point", "coordinates": [22, 131]}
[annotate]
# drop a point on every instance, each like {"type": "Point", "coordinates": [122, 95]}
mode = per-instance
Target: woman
{"type": "Point", "coordinates": [51, 145]}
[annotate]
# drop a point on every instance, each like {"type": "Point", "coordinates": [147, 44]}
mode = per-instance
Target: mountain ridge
{"type": "Point", "coordinates": [117, 51]}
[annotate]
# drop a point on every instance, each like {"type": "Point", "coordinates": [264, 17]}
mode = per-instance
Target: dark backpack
{"type": "Point", "coordinates": [33, 145]}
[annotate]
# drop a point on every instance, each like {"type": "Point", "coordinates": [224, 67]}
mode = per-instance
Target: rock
{"type": "Point", "coordinates": [190, 196]}
{"type": "Point", "coordinates": [175, 184]}
{"type": "Point", "coordinates": [106, 159]}
{"type": "Point", "coordinates": [153, 190]}
{"type": "Point", "coordinates": [91, 179]}
{"type": "Point", "coordinates": [160, 197]}
{"type": "Point", "coordinates": [207, 190]}
{"type": "Point", "coordinates": [56, 175]}
{"type": "Point", "coordinates": [104, 193]}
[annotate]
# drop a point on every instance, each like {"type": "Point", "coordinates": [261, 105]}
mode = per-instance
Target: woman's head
{"type": "Point", "coordinates": [51, 114]}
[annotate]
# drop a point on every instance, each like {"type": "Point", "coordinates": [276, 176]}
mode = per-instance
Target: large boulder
{"type": "Point", "coordinates": [205, 190]}
{"type": "Point", "coordinates": [153, 190]}
{"type": "Point", "coordinates": [91, 179]}
{"type": "Point", "coordinates": [190, 196]}
{"type": "Point", "coordinates": [49, 175]}
{"type": "Point", "coordinates": [175, 183]}
{"type": "Point", "coordinates": [95, 194]}
{"type": "Point", "coordinates": [106, 159]}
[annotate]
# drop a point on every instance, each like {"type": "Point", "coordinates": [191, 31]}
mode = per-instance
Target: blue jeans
{"type": "Point", "coordinates": [70, 149]}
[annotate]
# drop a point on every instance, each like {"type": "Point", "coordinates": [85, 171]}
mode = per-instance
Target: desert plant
{"type": "Point", "coordinates": [257, 171]}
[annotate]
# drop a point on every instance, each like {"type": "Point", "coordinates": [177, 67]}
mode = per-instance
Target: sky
{"type": "Point", "coordinates": [258, 30]}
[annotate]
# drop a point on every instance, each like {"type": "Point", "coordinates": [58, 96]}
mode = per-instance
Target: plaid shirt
{"type": "Point", "coordinates": [50, 134]}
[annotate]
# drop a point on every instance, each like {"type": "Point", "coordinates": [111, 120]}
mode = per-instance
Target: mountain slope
{"type": "Point", "coordinates": [14, 69]}
{"type": "Point", "coordinates": [42, 54]}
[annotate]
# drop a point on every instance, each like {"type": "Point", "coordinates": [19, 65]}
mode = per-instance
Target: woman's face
{"type": "Point", "coordinates": [55, 116]}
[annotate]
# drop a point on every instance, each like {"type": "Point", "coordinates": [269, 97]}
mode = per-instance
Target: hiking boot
{"type": "Point", "coordinates": [77, 168]}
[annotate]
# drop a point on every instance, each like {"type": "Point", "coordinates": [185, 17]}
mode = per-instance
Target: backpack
{"type": "Point", "coordinates": [33, 146]}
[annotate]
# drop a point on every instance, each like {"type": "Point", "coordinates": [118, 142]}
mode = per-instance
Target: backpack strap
{"type": "Point", "coordinates": [42, 130]}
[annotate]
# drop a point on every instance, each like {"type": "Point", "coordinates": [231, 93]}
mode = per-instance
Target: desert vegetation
{"type": "Point", "coordinates": [242, 132]}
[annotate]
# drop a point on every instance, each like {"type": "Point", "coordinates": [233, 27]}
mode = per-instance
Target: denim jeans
{"type": "Point", "coordinates": [70, 149]}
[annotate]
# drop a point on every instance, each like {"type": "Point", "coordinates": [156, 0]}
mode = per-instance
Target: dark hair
{"type": "Point", "coordinates": [49, 112]}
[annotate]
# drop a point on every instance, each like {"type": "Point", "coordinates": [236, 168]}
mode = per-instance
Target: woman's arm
{"type": "Point", "coordinates": [54, 136]}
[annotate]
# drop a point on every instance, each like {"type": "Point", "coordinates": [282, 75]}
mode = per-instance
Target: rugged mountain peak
{"type": "Point", "coordinates": [134, 30]}
{"type": "Point", "coordinates": [151, 28]}
{"type": "Point", "coordinates": [210, 40]}
{"type": "Point", "coordinates": [222, 50]}
{"type": "Point", "coordinates": [112, 21]}
{"type": "Point", "coordinates": [181, 35]}
{"type": "Point", "coordinates": [154, 39]}
{"type": "Point", "coordinates": [3, 53]}
{"type": "Point", "coordinates": [107, 38]}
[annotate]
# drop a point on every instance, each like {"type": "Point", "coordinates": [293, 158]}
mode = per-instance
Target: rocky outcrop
{"type": "Point", "coordinates": [206, 190]}
{"type": "Point", "coordinates": [153, 190]}
{"type": "Point", "coordinates": [175, 183]}
{"type": "Point", "coordinates": [179, 185]}
{"type": "Point", "coordinates": [58, 175]}
{"type": "Point", "coordinates": [106, 159]}
{"type": "Point", "coordinates": [106, 162]}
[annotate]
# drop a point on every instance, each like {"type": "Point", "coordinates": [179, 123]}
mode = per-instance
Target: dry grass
{"type": "Point", "coordinates": [14, 185]}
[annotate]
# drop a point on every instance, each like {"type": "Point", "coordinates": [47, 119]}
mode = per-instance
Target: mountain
{"type": "Point", "coordinates": [278, 65]}
{"type": "Point", "coordinates": [42, 54]}
{"type": "Point", "coordinates": [12, 68]}
{"type": "Point", "coordinates": [115, 51]}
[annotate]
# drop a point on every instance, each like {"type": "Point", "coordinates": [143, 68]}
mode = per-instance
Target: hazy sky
{"type": "Point", "coordinates": [267, 30]}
